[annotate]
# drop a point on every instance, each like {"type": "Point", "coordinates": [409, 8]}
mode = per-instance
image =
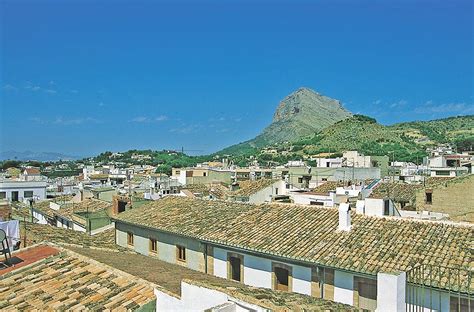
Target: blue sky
{"type": "Point", "coordinates": [81, 77]}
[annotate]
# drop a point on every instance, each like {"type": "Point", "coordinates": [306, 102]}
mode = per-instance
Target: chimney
{"type": "Point", "coordinates": [235, 186]}
{"type": "Point", "coordinates": [115, 203]}
{"type": "Point", "coordinates": [344, 217]}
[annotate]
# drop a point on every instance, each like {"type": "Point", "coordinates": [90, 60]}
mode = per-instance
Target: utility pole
{"type": "Point", "coordinates": [353, 170]}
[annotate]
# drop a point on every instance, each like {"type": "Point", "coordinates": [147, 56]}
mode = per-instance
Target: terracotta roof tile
{"type": "Point", "coordinates": [169, 277]}
{"type": "Point", "coordinates": [247, 188]}
{"type": "Point", "coordinates": [309, 234]}
{"type": "Point", "coordinates": [70, 281]}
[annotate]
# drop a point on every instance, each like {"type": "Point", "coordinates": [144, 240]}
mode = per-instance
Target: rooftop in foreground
{"type": "Point", "coordinates": [67, 281]}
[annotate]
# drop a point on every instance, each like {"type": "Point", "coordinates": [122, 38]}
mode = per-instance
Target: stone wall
{"type": "Point", "coordinates": [454, 197]}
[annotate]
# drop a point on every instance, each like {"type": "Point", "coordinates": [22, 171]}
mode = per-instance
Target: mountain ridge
{"type": "Point", "coordinates": [299, 114]}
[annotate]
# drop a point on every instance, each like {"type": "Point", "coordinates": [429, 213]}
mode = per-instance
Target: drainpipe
{"type": "Point", "coordinates": [205, 258]}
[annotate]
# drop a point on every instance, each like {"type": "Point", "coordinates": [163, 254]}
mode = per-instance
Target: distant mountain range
{"type": "Point", "coordinates": [38, 156]}
{"type": "Point", "coordinates": [308, 123]}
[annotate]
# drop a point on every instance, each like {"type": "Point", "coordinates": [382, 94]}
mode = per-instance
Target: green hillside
{"type": "Point", "coordinates": [363, 134]}
{"type": "Point", "coordinates": [404, 141]}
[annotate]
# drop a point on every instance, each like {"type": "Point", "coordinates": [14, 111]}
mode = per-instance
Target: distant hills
{"type": "Point", "coordinates": [308, 123]}
{"type": "Point", "coordinates": [37, 156]}
{"type": "Point", "coordinates": [405, 141]}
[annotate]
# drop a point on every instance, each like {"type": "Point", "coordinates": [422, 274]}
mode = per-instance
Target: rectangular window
{"type": "Point", "coordinates": [235, 271]}
{"type": "Point", "coordinates": [177, 172]}
{"type": "Point", "coordinates": [386, 208]}
{"type": "Point", "coordinates": [460, 304]}
{"type": "Point", "coordinates": [324, 179]}
{"type": "Point", "coordinates": [276, 191]}
{"type": "Point", "coordinates": [3, 195]}
{"type": "Point", "coordinates": [316, 203]}
{"type": "Point", "coordinates": [28, 194]}
{"type": "Point", "coordinates": [153, 246]}
{"type": "Point", "coordinates": [281, 279]}
{"type": "Point", "coordinates": [204, 174]}
{"type": "Point", "coordinates": [300, 180]}
{"type": "Point", "coordinates": [130, 238]}
{"type": "Point", "coordinates": [181, 253]}
{"type": "Point", "coordinates": [429, 197]}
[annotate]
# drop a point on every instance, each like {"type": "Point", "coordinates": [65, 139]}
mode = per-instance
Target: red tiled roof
{"type": "Point", "coordinates": [28, 256]}
{"type": "Point", "coordinates": [32, 171]}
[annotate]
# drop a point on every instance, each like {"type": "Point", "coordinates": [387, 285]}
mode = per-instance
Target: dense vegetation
{"type": "Point", "coordinates": [404, 141]}
{"type": "Point", "coordinates": [163, 160]}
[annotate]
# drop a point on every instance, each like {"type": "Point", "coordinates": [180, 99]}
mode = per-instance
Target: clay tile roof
{"type": "Point", "coordinates": [218, 190]}
{"type": "Point", "coordinates": [247, 188]}
{"type": "Point", "coordinates": [70, 281]}
{"type": "Point", "coordinates": [309, 234]}
{"type": "Point", "coordinates": [169, 277]}
{"type": "Point", "coordinates": [401, 192]}
{"type": "Point", "coordinates": [32, 171]}
{"type": "Point", "coordinates": [38, 233]}
{"type": "Point", "coordinates": [325, 188]}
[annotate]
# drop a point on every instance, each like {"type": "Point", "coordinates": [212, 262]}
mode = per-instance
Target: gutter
{"type": "Point", "coordinates": [250, 251]}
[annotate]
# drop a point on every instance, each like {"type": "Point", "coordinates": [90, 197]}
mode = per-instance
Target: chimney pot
{"type": "Point", "coordinates": [344, 217]}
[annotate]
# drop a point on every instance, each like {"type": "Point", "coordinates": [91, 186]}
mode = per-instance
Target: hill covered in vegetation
{"type": "Point", "coordinates": [403, 141]}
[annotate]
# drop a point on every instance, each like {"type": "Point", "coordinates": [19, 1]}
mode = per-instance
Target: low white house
{"type": "Point", "coordinates": [441, 172]}
{"type": "Point", "coordinates": [312, 198]}
{"type": "Point", "coordinates": [358, 260]}
{"type": "Point", "coordinates": [13, 190]}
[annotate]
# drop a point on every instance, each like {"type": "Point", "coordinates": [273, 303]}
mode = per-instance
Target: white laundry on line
{"type": "Point", "coordinates": [12, 229]}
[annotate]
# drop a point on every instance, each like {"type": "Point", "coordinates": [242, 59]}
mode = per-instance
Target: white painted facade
{"type": "Point", "coordinates": [257, 271]}
{"type": "Point", "coordinates": [391, 292]}
{"type": "Point", "coordinates": [351, 191]}
{"type": "Point", "coordinates": [198, 298]}
{"type": "Point", "coordinates": [328, 162]}
{"type": "Point", "coordinates": [356, 160]}
{"type": "Point", "coordinates": [376, 207]}
{"type": "Point", "coordinates": [40, 217]}
{"type": "Point", "coordinates": [343, 287]}
{"type": "Point", "coordinates": [22, 190]}
{"type": "Point", "coordinates": [308, 198]}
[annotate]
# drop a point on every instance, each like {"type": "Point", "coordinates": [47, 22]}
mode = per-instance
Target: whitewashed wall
{"type": "Point", "coordinates": [197, 298]}
{"type": "Point", "coordinates": [40, 217]}
{"type": "Point", "coordinates": [302, 280]}
{"type": "Point", "coordinates": [257, 271]}
{"type": "Point", "coordinates": [343, 287]}
{"type": "Point", "coordinates": [220, 262]}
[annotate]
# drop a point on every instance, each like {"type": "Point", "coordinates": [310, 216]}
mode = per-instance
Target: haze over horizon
{"type": "Point", "coordinates": [82, 78]}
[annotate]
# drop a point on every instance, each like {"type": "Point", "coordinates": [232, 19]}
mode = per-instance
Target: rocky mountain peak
{"type": "Point", "coordinates": [305, 101]}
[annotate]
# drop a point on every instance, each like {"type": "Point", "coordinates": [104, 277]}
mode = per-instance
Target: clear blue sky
{"type": "Point", "coordinates": [81, 77]}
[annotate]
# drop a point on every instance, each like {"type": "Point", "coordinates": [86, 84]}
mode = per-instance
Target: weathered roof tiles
{"type": "Point", "coordinates": [310, 234]}
{"type": "Point", "coordinates": [70, 281]}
